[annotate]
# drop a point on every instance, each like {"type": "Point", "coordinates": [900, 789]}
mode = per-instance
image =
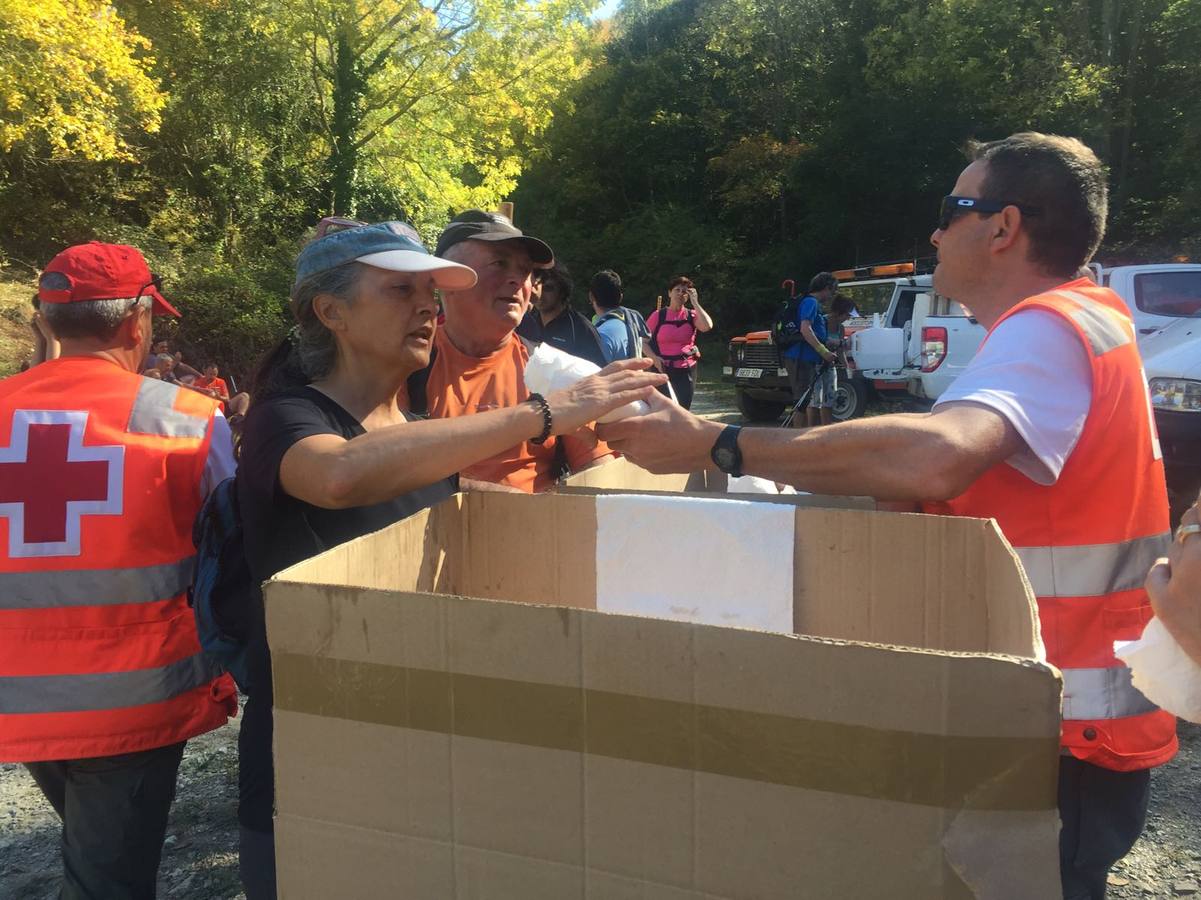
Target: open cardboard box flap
{"type": "Point", "coordinates": [455, 718]}
{"type": "Point", "coordinates": [624, 476]}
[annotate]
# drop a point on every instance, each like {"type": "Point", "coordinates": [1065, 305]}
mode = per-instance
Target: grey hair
{"type": "Point", "coordinates": [315, 348]}
{"type": "Point", "coordinates": [90, 318]}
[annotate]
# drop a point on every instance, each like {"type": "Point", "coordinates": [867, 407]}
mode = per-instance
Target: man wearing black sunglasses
{"type": "Point", "coordinates": [1049, 432]}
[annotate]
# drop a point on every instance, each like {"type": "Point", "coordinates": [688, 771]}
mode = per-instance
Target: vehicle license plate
{"type": "Point", "coordinates": [749, 373]}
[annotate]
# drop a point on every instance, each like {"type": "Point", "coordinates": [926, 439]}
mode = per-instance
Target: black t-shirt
{"type": "Point", "coordinates": [280, 530]}
{"type": "Point", "coordinates": [569, 331]}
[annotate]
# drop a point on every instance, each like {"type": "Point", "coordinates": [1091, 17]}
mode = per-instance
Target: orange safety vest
{"type": "Point", "coordinates": [100, 473]}
{"type": "Point", "coordinates": [1087, 541]}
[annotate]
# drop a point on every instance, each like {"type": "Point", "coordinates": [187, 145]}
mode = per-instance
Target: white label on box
{"type": "Point", "coordinates": [715, 562]}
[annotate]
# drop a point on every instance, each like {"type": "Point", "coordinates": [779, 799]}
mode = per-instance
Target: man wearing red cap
{"type": "Point", "coordinates": [102, 471]}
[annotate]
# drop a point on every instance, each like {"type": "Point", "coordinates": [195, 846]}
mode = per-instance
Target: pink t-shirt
{"type": "Point", "coordinates": [675, 339]}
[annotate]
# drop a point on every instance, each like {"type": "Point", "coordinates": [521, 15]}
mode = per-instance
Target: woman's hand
{"type": "Point", "coordinates": [590, 398]}
{"type": "Point", "coordinates": [1174, 586]}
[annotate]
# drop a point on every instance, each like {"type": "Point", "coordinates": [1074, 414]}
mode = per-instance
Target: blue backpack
{"type": "Point", "coordinates": [224, 596]}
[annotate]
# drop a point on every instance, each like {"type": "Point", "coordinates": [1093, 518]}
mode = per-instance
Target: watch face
{"type": "Point", "coordinates": [724, 457]}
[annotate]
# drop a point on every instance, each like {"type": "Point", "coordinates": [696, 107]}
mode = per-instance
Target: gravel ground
{"type": "Point", "coordinates": [1166, 862]}
{"type": "Point", "coordinates": [200, 855]}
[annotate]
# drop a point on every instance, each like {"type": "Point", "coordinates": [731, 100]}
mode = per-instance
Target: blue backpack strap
{"type": "Point", "coordinates": [224, 596]}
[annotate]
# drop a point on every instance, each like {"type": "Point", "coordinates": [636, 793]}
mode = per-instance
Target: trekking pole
{"type": "Point", "coordinates": [803, 403]}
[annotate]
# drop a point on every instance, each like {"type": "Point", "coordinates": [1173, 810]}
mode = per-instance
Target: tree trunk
{"type": "Point", "coordinates": [348, 89]}
{"type": "Point", "coordinates": [1126, 135]}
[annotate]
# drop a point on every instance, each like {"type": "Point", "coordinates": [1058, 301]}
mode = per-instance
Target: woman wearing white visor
{"type": "Point", "coordinates": [328, 455]}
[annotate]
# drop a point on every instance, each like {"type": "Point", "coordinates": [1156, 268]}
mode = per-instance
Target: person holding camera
{"type": "Point", "coordinates": [673, 337]}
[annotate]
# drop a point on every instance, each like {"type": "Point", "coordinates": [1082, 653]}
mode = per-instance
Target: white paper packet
{"type": "Point", "coordinates": [550, 370]}
{"type": "Point", "coordinates": [1162, 671]}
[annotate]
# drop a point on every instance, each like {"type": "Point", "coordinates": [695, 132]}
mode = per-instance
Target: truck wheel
{"type": "Point", "coordinates": [850, 399]}
{"type": "Point", "coordinates": [754, 410]}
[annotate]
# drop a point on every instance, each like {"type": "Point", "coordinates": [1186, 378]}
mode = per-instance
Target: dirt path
{"type": "Point", "coordinates": [200, 856]}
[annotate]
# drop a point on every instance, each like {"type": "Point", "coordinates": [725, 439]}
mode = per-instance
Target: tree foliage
{"type": "Point", "coordinates": [739, 141]}
{"type": "Point", "coordinates": [434, 106]}
{"type": "Point", "coordinates": [785, 137]}
{"type": "Point", "coordinates": [73, 80]}
{"type": "Point", "coordinates": [213, 135]}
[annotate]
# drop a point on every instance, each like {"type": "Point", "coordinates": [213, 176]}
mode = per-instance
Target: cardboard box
{"type": "Point", "coordinates": [621, 475]}
{"type": "Point", "coordinates": [456, 719]}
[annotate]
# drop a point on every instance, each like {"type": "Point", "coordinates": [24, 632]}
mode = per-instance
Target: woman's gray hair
{"type": "Point", "coordinates": [315, 348]}
{"type": "Point", "coordinates": [89, 318]}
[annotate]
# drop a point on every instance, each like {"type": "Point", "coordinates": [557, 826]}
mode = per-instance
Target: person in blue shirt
{"type": "Point", "coordinates": [622, 330]}
{"type": "Point", "coordinates": [802, 358]}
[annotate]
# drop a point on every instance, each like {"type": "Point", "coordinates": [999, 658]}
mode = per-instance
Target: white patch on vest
{"type": "Point", "coordinates": [17, 453]}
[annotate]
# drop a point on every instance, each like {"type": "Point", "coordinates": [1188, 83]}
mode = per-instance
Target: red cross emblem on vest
{"type": "Point", "coordinates": [49, 481]}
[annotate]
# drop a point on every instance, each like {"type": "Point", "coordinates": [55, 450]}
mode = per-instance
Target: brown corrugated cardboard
{"type": "Point", "coordinates": [621, 475]}
{"type": "Point", "coordinates": [433, 744]}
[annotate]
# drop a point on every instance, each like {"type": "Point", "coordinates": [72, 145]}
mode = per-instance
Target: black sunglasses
{"type": "Point", "coordinates": [953, 207]}
{"type": "Point", "coordinates": [156, 282]}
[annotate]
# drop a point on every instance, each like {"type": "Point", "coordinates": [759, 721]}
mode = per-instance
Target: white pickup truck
{"type": "Point", "coordinates": [917, 346]}
{"type": "Point", "coordinates": [1165, 301]}
{"type": "Point", "coordinates": [922, 341]}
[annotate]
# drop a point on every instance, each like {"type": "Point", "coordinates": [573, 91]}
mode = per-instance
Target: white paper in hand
{"type": "Point", "coordinates": [550, 370]}
{"type": "Point", "coordinates": [1162, 671]}
{"type": "Point", "coordinates": [753, 484]}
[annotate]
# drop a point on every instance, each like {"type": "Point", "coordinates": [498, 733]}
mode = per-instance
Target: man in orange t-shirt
{"type": "Point", "coordinates": [479, 361]}
{"type": "Point", "coordinates": [212, 383]}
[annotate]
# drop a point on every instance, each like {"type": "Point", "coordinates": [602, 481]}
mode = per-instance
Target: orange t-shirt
{"type": "Point", "coordinates": [217, 384]}
{"type": "Point", "coordinates": [460, 385]}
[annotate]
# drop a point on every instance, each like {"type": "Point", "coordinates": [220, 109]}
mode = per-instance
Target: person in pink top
{"type": "Point", "coordinates": [673, 337]}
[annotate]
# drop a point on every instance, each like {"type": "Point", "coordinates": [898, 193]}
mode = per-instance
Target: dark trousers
{"type": "Point", "coordinates": [683, 382]}
{"type": "Point", "coordinates": [256, 777]}
{"type": "Point", "coordinates": [1102, 814]}
{"type": "Point", "coordinates": [114, 813]}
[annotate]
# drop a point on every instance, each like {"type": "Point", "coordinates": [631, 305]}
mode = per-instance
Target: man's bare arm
{"type": "Point", "coordinates": [931, 456]}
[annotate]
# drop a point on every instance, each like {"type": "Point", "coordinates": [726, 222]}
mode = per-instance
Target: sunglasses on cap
{"type": "Point", "coordinates": [952, 207]}
{"type": "Point", "coordinates": [156, 282]}
{"type": "Point", "coordinates": [334, 224]}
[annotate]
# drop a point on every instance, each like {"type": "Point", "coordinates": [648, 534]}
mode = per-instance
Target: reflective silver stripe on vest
{"type": "Point", "coordinates": [103, 690]}
{"type": "Point", "coordinates": [94, 587]}
{"type": "Point", "coordinates": [1102, 694]}
{"type": "Point", "coordinates": [1092, 570]}
{"type": "Point", "coordinates": [1101, 325]}
{"type": "Point", "coordinates": [153, 412]}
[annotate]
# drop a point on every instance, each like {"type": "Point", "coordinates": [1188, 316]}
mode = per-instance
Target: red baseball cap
{"type": "Point", "coordinates": [96, 271]}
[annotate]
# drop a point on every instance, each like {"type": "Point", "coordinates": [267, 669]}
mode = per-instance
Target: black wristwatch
{"type": "Point", "coordinates": [725, 453]}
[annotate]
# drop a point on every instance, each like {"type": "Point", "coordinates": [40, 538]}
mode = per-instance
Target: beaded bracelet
{"type": "Point", "coordinates": [547, 420]}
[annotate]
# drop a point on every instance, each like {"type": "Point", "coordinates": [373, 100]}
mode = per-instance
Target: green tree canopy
{"type": "Point", "coordinates": [73, 80]}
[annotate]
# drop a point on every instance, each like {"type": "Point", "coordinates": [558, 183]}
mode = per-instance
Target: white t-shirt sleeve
{"type": "Point", "coordinates": [1034, 371]}
{"type": "Point", "coordinates": [220, 463]}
